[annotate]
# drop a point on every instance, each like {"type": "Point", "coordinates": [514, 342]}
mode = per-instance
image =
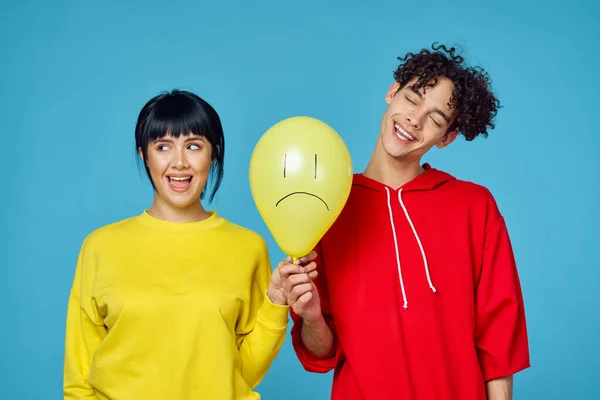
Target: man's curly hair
{"type": "Point", "coordinates": [472, 96]}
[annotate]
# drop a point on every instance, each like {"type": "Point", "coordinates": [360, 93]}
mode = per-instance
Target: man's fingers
{"type": "Point", "coordinates": [300, 304]}
{"type": "Point", "coordinates": [298, 291]}
{"type": "Point", "coordinates": [286, 270]}
{"type": "Point", "coordinates": [294, 280]}
{"type": "Point", "coordinates": [309, 257]}
{"type": "Point", "coordinates": [310, 266]}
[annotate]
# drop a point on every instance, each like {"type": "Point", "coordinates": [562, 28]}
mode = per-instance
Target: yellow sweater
{"type": "Point", "coordinates": [173, 311]}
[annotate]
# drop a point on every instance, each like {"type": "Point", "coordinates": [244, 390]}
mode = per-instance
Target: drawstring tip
{"type": "Point", "coordinates": [433, 289]}
{"type": "Point", "coordinates": [405, 305]}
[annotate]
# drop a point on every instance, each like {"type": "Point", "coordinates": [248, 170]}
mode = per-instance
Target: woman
{"type": "Point", "coordinates": [176, 303]}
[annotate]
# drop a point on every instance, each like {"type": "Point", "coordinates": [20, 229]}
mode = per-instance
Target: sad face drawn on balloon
{"type": "Point", "coordinates": [296, 170]}
{"type": "Point", "coordinates": [300, 177]}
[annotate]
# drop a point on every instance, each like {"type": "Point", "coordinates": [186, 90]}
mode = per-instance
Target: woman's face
{"type": "Point", "coordinates": [179, 168]}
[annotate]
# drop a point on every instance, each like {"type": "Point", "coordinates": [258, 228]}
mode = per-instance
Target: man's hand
{"type": "Point", "coordinates": [279, 279]}
{"type": "Point", "coordinates": [303, 297]}
{"type": "Point", "coordinates": [301, 292]}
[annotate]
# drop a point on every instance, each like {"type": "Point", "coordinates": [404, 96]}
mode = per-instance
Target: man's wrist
{"type": "Point", "coordinates": [314, 323]}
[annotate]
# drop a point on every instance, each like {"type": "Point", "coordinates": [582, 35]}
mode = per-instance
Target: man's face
{"type": "Point", "coordinates": [417, 119]}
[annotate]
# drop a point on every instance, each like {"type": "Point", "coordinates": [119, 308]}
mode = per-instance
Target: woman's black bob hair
{"type": "Point", "coordinates": [178, 113]}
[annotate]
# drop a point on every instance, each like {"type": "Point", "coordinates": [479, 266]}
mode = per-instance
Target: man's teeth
{"type": "Point", "coordinates": [402, 133]}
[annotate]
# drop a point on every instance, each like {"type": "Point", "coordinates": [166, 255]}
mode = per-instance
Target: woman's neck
{"type": "Point", "coordinates": [167, 212]}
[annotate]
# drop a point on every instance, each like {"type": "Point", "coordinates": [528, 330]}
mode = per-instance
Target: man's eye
{"type": "Point", "coordinates": [410, 101]}
{"type": "Point", "coordinates": [435, 122]}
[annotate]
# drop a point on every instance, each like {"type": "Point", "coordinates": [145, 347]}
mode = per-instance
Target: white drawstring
{"type": "Point", "coordinates": [389, 203]}
{"type": "Point", "coordinates": [397, 250]}
{"type": "Point", "coordinates": [418, 240]}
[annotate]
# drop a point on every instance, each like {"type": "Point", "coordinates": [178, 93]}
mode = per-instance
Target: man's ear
{"type": "Point", "coordinates": [389, 96]}
{"type": "Point", "coordinates": [447, 139]}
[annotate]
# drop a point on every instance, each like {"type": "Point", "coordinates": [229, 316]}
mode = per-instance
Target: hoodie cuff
{"type": "Point", "coordinates": [274, 316]}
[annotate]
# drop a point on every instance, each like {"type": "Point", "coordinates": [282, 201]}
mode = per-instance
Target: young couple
{"type": "Point", "coordinates": [412, 294]}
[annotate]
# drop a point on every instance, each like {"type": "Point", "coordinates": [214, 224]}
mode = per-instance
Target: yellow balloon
{"type": "Point", "coordinates": [300, 178]}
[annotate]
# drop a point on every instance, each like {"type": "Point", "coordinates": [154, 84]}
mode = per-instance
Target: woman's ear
{"type": "Point", "coordinates": [141, 154]}
{"type": "Point", "coordinates": [214, 154]}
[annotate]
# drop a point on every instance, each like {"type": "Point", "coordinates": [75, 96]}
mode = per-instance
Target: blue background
{"type": "Point", "coordinates": [74, 76]}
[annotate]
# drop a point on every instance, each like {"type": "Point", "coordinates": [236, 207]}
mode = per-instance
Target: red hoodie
{"type": "Point", "coordinates": [421, 290]}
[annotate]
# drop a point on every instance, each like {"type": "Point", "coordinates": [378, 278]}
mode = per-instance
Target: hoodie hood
{"type": "Point", "coordinates": [428, 180]}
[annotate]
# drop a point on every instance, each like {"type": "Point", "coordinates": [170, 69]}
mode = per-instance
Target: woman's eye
{"type": "Point", "coordinates": [163, 148]}
{"type": "Point", "coordinates": [194, 147]}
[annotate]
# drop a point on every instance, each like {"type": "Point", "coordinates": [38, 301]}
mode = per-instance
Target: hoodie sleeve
{"type": "Point", "coordinates": [501, 333]}
{"type": "Point", "coordinates": [310, 361]}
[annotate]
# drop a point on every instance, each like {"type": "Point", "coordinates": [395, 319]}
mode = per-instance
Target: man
{"type": "Point", "coordinates": [418, 295]}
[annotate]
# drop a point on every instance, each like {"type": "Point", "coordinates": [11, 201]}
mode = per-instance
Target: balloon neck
{"type": "Point", "coordinates": [294, 259]}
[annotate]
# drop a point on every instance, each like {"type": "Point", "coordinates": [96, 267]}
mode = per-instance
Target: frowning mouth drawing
{"type": "Point", "coordinates": [305, 193]}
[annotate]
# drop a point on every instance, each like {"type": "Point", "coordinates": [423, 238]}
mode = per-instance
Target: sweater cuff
{"type": "Point", "coordinates": [273, 315]}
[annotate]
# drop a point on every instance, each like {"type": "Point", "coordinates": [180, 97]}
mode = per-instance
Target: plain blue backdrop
{"type": "Point", "coordinates": [74, 75]}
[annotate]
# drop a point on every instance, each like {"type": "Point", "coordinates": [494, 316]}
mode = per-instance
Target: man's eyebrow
{"type": "Point", "coordinates": [437, 110]}
{"type": "Point", "coordinates": [447, 118]}
{"type": "Point", "coordinates": [416, 91]}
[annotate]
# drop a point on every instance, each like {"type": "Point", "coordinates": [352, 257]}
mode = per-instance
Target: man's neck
{"type": "Point", "coordinates": [392, 172]}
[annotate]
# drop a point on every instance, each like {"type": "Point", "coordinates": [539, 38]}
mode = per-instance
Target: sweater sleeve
{"type": "Point", "coordinates": [264, 328]}
{"type": "Point", "coordinates": [501, 333]}
{"type": "Point", "coordinates": [84, 332]}
{"type": "Point", "coordinates": [309, 360]}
